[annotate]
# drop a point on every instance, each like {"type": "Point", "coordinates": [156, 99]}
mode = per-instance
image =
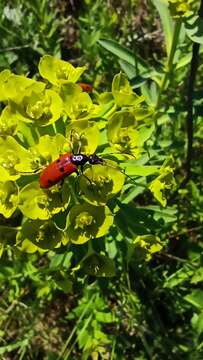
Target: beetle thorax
{"type": "Point", "coordinates": [79, 159]}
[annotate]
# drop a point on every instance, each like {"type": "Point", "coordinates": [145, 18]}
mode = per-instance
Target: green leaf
{"type": "Point", "coordinates": [134, 220]}
{"type": "Point", "coordinates": [145, 132]}
{"type": "Point", "coordinates": [23, 343]}
{"type": "Point", "coordinates": [195, 298]}
{"type": "Point", "coordinates": [133, 170]}
{"type": "Point", "coordinates": [168, 214]}
{"type": "Point", "coordinates": [166, 20]}
{"type": "Point", "coordinates": [60, 261]}
{"type": "Point", "coordinates": [197, 323]}
{"type": "Point", "coordinates": [179, 277]}
{"type": "Point", "coordinates": [128, 69]}
{"type": "Point", "coordinates": [198, 276]}
{"type": "Point", "coordinates": [194, 28]}
{"type": "Point", "coordinates": [150, 92]}
{"type": "Point", "coordinates": [130, 192]}
{"type": "Point", "coordinates": [123, 53]}
{"type": "Point", "coordinates": [64, 284]}
{"type": "Point", "coordinates": [184, 60]}
{"type": "Point", "coordinates": [7, 235]}
{"type": "Point", "coordinates": [105, 317]}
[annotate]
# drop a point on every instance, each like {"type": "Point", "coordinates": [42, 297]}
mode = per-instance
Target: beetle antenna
{"type": "Point", "coordinates": [124, 173]}
{"type": "Point", "coordinates": [117, 153]}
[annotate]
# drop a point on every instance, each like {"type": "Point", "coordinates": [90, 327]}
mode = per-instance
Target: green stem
{"type": "Point", "coordinates": [4, 227]}
{"type": "Point", "coordinates": [113, 350]}
{"type": "Point", "coordinates": [111, 111]}
{"type": "Point", "coordinates": [72, 191]}
{"type": "Point", "coordinates": [61, 355]}
{"type": "Point", "coordinates": [145, 344]}
{"type": "Point", "coordinates": [67, 354]}
{"type": "Point", "coordinates": [90, 248]}
{"type": "Point", "coordinates": [169, 63]}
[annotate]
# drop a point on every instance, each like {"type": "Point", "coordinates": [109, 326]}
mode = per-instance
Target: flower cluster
{"type": "Point", "coordinates": [180, 8]}
{"type": "Point", "coordinates": [42, 119]}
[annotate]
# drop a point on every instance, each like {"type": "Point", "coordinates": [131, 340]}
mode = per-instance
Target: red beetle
{"type": "Point", "coordinates": [86, 87]}
{"type": "Point", "coordinates": [65, 165]}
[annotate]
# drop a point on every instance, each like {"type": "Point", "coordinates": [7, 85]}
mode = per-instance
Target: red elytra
{"type": "Point", "coordinates": [86, 87]}
{"type": "Point", "coordinates": [65, 165]}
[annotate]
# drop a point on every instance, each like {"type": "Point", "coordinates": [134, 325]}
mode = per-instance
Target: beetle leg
{"type": "Point", "coordinates": [81, 173]}
{"type": "Point", "coordinates": [61, 183]}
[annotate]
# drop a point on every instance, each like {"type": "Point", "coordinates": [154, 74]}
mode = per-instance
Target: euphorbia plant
{"type": "Point", "coordinates": [41, 120]}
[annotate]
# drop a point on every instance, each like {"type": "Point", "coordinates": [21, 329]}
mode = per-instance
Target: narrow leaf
{"type": "Point", "coordinates": [123, 53]}
{"type": "Point", "coordinates": [166, 20]}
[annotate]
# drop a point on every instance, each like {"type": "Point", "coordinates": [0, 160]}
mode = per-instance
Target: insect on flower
{"type": "Point", "coordinates": [64, 166]}
{"type": "Point", "coordinates": [86, 87]}
{"type": "Point", "coordinates": [70, 163]}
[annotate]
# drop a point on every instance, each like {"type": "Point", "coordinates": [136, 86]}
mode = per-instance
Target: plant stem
{"type": "Point", "coordinates": [113, 350]}
{"type": "Point", "coordinates": [67, 354]}
{"type": "Point", "coordinates": [61, 355]}
{"type": "Point", "coordinates": [169, 63]}
{"type": "Point", "coordinates": [72, 191]}
{"type": "Point", "coordinates": [189, 120]}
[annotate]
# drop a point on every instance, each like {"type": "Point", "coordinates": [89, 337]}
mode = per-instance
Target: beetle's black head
{"type": "Point", "coordinates": [94, 159]}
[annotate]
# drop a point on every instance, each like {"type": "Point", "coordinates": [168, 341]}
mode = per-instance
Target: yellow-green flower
{"type": "Point", "coordinates": [122, 133]}
{"type": "Point", "coordinates": [8, 122]}
{"type": "Point", "coordinates": [8, 198]}
{"type": "Point", "coordinates": [84, 136]}
{"type": "Point", "coordinates": [100, 183]}
{"type": "Point", "coordinates": [11, 154]}
{"type": "Point", "coordinates": [85, 222]}
{"type": "Point", "coordinates": [98, 265]}
{"type": "Point", "coordinates": [36, 203]}
{"type": "Point", "coordinates": [180, 8]}
{"type": "Point", "coordinates": [123, 93]}
{"type": "Point", "coordinates": [57, 71]}
{"type": "Point", "coordinates": [147, 245]}
{"type": "Point", "coordinates": [163, 182]}
{"type": "Point", "coordinates": [38, 236]}
{"type": "Point", "coordinates": [43, 108]}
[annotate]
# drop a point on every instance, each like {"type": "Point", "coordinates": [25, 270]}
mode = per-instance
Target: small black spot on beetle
{"type": "Point", "coordinates": [61, 169]}
{"type": "Point", "coordinates": [58, 160]}
{"type": "Point", "coordinates": [49, 182]}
